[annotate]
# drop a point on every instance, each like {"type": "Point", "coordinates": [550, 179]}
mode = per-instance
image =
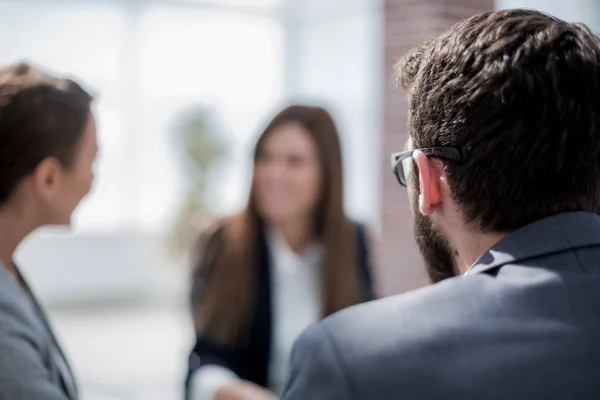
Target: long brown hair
{"type": "Point", "coordinates": [225, 306]}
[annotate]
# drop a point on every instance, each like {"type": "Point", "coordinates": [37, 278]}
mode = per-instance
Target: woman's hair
{"type": "Point", "coordinates": [40, 116]}
{"type": "Point", "coordinates": [224, 308]}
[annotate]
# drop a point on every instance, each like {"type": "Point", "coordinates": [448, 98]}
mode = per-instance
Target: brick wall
{"type": "Point", "coordinates": [407, 23]}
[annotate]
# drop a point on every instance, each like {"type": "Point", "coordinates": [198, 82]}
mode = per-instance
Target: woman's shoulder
{"type": "Point", "coordinates": [359, 229]}
{"type": "Point", "coordinates": [14, 310]}
{"type": "Point", "coordinates": [10, 292]}
{"type": "Point", "coordinates": [209, 234]}
{"type": "Point", "coordinates": [210, 226]}
{"type": "Point", "coordinates": [363, 244]}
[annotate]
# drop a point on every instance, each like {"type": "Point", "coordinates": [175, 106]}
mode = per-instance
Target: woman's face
{"type": "Point", "coordinates": [61, 190]}
{"type": "Point", "coordinates": [287, 175]}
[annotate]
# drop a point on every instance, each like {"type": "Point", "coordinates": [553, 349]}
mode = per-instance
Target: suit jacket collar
{"type": "Point", "coordinates": [554, 234]}
{"type": "Point", "coordinates": [30, 307]}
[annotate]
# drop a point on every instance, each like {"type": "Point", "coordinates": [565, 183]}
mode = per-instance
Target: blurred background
{"type": "Point", "coordinates": [183, 88]}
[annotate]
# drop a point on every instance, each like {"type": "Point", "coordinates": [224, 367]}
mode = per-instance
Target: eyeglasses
{"type": "Point", "coordinates": [402, 162]}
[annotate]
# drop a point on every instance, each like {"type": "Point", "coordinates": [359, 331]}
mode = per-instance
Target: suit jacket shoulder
{"type": "Point", "coordinates": [364, 261]}
{"type": "Point", "coordinates": [522, 323]}
{"type": "Point", "coordinates": [207, 249]}
{"type": "Point", "coordinates": [399, 331]}
{"type": "Point", "coordinates": [27, 370]}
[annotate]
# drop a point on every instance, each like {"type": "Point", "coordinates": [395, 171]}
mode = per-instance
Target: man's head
{"type": "Point", "coordinates": [47, 144]}
{"type": "Point", "coordinates": [514, 99]}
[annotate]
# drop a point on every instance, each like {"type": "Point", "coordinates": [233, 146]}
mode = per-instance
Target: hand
{"type": "Point", "coordinates": [244, 390]}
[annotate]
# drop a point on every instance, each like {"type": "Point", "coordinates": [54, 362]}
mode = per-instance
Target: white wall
{"type": "Point", "coordinates": [89, 269]}
{"type": "Point", "coordinates": [145, 63]}
{"type": "Point", "coordinates": [586, 11]}
{"type": "Point", "coordinates": [334, 58]}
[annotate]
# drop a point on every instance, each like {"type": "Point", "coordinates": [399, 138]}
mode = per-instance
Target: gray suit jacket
{"type": "Point", "coordinates": [32, 365]}
{"type": "Point", "coordinates": [523, 323]}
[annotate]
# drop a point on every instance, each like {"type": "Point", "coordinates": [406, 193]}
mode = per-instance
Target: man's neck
{"type": "Point", "coordinates": [469, 246]}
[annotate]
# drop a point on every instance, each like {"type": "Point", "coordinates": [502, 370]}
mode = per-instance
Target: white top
{"type": "Point", "coordinates": [296, 304]}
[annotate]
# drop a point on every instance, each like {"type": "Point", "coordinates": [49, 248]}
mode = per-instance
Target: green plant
{"type": "Point", "coordinates": [201, 145]}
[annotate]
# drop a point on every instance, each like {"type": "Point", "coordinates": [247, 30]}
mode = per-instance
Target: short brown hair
{"type": "Point", "coordinates": [519, 92]}
{"type": "Point", "coordinates": [40, 116]}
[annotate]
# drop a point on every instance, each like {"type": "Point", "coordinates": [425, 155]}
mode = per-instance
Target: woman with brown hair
{"type": "Point", "coordinates": [48, 147]}
{"type": "Point", "coordinates": [289, 258]}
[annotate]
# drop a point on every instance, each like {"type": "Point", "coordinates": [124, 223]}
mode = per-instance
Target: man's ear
{"type": "Point", "coordinates": [429, 182]}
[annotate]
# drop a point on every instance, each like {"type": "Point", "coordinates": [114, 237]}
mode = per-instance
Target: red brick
{"type": "Point", "coordinates": [407, 24]}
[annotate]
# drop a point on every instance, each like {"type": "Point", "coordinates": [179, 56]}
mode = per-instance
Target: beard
{"type": "Point", "coordinates": [434, 247]}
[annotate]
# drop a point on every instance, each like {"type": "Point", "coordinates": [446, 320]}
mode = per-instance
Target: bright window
{"type": "Point", "coordinates": [147, 64]}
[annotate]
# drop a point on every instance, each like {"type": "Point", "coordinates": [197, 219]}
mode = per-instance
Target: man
{"type": "Point", "coordinates": [504, 178]}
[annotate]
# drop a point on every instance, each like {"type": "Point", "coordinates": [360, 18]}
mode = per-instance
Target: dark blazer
{"type": "Point", "coordinates": [251, 361]}
{"type": "Point", "coordinates": [523, 323]}
{"type": "Point", "coordinates": [32, 365]}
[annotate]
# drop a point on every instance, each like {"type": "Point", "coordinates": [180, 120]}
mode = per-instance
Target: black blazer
{"type": "Point", "coordinates": [251, 361]}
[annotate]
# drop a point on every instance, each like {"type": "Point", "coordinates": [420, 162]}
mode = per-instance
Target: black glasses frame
{"type": "Point", "coordinates": [445, 153]}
